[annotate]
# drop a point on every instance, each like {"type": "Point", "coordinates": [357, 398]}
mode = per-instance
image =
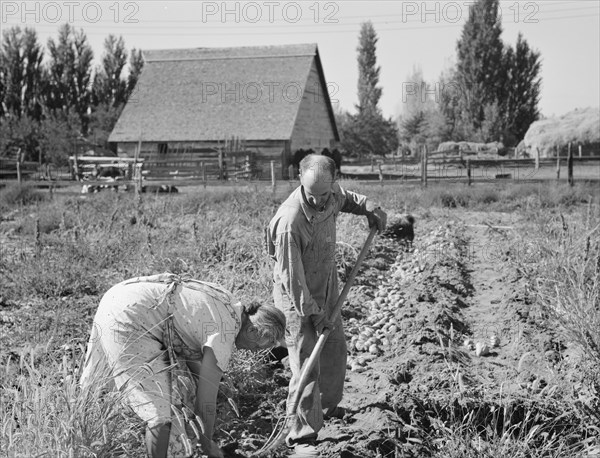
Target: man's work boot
{"type": "Point", "coordinates": [334, 412]}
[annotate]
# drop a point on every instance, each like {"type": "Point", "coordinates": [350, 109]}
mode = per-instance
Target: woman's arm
{"type": "Point", "coordinates": [209, 377]}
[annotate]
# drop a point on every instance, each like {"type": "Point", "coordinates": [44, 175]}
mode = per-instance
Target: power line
{"type": "Point", "coordinates": [407, 19]}
{"type": "Point", "coordinates": [223, 31]}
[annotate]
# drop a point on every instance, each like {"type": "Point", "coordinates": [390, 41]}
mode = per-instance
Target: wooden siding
{"type": "Point", "coordinates": [312, 128]}
{"type": "Point", "coordinates": [262, 152]}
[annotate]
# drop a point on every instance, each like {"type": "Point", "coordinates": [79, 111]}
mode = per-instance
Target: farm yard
{"type": "Point", "coordinates": [155, 138]}
{"type": "Point", "coordinates": [480, 340]}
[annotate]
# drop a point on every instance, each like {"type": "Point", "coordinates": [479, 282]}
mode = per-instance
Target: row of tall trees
{"type": "Point", "coordinates": [47, 105]}
{"type": "Point", "coordinates": [491, 94]}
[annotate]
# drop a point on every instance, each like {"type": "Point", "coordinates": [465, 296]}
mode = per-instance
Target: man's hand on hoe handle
{"type": "Point", "coordinates": [377, 218]}
{"type": "Point", "coordinates": [321, 322]}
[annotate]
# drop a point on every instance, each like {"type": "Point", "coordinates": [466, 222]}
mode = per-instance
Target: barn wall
{"type": "Point", "coordinates": [267, 151]}
{"type": "Point", "coordinates": [312, 128]}
{"type": "Point", "coordinates": [263, 152]}
{"type": "Point", "coordinates": [127, 149]}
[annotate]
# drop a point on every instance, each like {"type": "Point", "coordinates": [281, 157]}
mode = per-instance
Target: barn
{"type": "Point", "coordinates": [195, 103]}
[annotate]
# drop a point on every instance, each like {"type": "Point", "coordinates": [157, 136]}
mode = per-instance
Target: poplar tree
{"type": "Point", "coordinates": [21, 74]}
{"type": "Point", "coordinates": [136, 63]}
{"type": "Point", "coordinates": [69, 87]}
{"type": "Point", "coordinates": [368, 132]}
{"type": "Point", "coordinates": [110, 86]}
{"type": "Point", "coordinates": [369, 92]}
{"type": "Point", "coordinates": [480, 73]}
{"type": "Point", "coordinates": [499, 85]}
{"type": "Point", "coordinates": [524, 84]}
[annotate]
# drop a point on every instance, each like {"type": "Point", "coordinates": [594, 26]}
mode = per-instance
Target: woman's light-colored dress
{"type": "Point", "coordinates": [144, 331]}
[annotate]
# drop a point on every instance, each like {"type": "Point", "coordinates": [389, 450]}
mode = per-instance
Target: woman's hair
{"type": "Point", "coordinates": [268, 321]}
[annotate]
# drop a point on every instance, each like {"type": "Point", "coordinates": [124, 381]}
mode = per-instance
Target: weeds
{"type": "Point", "coordinates": [567, 277]}
{"type": "Point", "coordinates": [43, 411]}
{"type": "Point", "coordinates": [53, 272]}
{"type": "Point", "coordinates": [20, 194]}
{"type": "Point", "coordinates": [476, 426]}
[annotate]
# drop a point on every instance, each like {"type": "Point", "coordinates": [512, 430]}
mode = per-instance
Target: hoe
{"type": "Point", "coordinates": [283, 426]}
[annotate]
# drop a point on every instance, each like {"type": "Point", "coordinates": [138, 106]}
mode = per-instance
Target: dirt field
{"type": "Point", "coordinates": [416, 384]}
{"type": "Point", "coordinates": [427, 310]}
{"type": "Point", "coordinates": [457, 285]}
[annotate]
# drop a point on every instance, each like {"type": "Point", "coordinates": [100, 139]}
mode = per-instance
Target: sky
{"type": "Point", "coordinates": [412, 34]}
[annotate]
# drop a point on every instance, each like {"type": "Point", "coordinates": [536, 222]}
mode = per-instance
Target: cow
{"type": "Point", "coordinates": [109, 173]}
{"type": "Point", "coordinates": [159, 188]}
{"type": "Point", "coordinates": [95, 188]}
{"type": "Point", "coordinates": [151, 188]}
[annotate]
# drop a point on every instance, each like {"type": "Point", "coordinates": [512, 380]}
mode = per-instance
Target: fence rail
{"type": "Point", "coordinates": [197, 172]}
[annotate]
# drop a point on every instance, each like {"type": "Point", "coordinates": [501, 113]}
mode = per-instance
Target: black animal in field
{"type": "Point", "coordinates": [110, 172]}
{"type": "Point", "coordinates": [115, 187]}
{"type": "Point", "coordinates": [159, 188]}
{"type": "Point", "coordinates": [401, 228]}
{"type": "Point", "coordinates": [95, 188]}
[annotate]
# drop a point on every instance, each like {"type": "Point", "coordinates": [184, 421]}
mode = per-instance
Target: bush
{"type": "Point", "coordinates": [335, 155]}
{"type": "Point", "coordinates": [20, 194]}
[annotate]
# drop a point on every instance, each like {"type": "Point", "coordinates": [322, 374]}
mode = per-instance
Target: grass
{"type": "Point", "coordinates": [60, 254]}
{"type": "Point", "coordinates": [20, 194]}
{"type": "Point", "coordinates": [44, 413]}
{"type": "Point", "coordinates": [481, 197]}
{"type": "Point", "coordinates": [566, 280]}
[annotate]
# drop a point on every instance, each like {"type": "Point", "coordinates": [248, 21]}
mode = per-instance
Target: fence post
{"type": "Point", "coordinates": [557, 163]}
{"type": "Point", "coordinates": [422, 164]}
{"type": "Point", "coordinates": [19, 166]}
{"type": "Point", "coordinates": [537, 158]}
{"type": "Point", "coordinates": [570, 166]}
{"type": "Point", "coordinates": [203, 174]}
{"type": "Point", "coordinates": [221, 165]}
{"type": "Point", "coordinates": [580, 150]}
{"type": "Point", "coordinates": [372, 168]}
{"type": "Point", "coordinates": [403, 169]}
{"type": "Point", "coordinates": [469, 172]}
{"type": "Point", "coordinates": [76, 167]}
{"type": "Point", "coordinates": [137, 169]}
{"type": "Point", "coordinates": [380, 174]}
{"type": "Point", "coordinates": [273, 181]}
{"type": "Point", "coordinates": [424, 171]}
{"type": "Point", "coordinates": [138, 178]}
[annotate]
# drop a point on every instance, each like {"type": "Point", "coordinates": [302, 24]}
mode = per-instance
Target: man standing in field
{"type": "Point", "coordinates": [301, 239]}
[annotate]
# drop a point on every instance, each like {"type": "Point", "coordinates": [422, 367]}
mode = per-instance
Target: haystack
{"type": "Point", "coordinates": [579, 127]}
{"type": "Point", "coordinates": [470, 149]}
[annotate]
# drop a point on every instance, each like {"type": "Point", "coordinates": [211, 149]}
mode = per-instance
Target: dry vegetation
{"type": "Point", "coordinates": [60, 253]}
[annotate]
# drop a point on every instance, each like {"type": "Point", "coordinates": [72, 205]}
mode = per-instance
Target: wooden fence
{"type": "Point", "coordinates": [242, 168]}
{"type": "Point", "coordinates": [471, 171]}
{"type": "Point", "coordinates": [14, 166]}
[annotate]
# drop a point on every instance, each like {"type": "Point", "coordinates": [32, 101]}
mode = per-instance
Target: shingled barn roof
{"type": "Point", "coordinates": [208, 94]}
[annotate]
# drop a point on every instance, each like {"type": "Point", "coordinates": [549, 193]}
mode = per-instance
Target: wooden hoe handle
{"type": "Point", "coordinates": [309, 364]}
